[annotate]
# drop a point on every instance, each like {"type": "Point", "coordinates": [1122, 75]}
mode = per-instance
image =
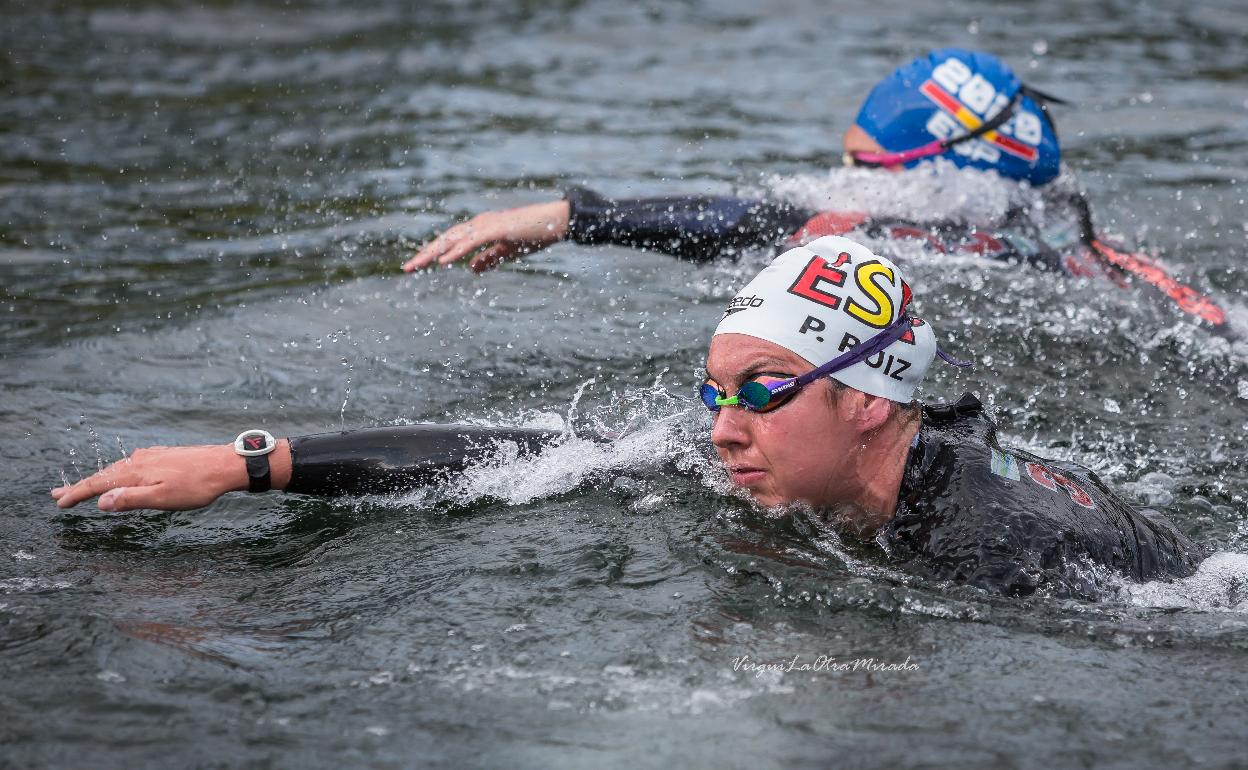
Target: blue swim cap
{"type": "Point", "coordinates": [951, 91]}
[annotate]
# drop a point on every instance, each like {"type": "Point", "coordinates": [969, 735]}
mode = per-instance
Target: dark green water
{"type": "Point", "coordinates": [202, 212]}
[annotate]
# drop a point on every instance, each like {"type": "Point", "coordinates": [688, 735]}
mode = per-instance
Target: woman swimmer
{"type": "Point", "coordinates": [811, 373]}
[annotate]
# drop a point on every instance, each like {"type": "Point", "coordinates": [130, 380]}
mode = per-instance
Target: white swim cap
{"type": "Point", "coordinates": [823, 299]}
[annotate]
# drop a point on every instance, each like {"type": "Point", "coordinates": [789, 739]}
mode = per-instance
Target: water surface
{"type": "Point", "coordinates": [202, 211]}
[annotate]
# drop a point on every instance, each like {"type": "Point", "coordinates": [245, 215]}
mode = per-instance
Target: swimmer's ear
{"type": "Point", "coordinates": [875, 413]}
{"type": "Point", "coordinates": [864, 411]}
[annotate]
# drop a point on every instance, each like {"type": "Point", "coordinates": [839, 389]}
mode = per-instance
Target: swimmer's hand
{"type": "Point", "coordinates": [172, 478]}
{"type": "Point", "coordinates": [500, 235]}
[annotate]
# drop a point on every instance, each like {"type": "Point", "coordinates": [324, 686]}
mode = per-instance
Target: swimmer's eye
{"type": "Point", "coordinates": [762, 392]}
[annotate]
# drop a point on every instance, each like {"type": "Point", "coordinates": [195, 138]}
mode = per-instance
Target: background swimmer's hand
{"type": "Point", "coordinates": [500, 235]}
{"type": "Point", "coordinates": [172, 478]}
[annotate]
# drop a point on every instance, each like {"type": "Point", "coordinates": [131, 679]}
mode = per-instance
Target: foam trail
{"type": "Point", "coordinates": [1220, 583]}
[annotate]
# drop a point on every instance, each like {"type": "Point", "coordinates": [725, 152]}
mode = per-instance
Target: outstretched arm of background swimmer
{"type": "Point", "coordinates": [695, 228]}
{"type": "Point", "coordinates": [373, 460]}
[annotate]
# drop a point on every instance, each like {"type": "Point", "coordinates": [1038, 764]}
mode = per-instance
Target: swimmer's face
{"type": "Point", "coordinates": [798, 452]}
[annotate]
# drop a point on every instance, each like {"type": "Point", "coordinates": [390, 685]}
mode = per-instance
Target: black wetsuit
{"type": "Point", "coordinates": [701, 228]}
{"type": "Point", "coordinates": [968, 511]}
{"type": "Point", "coordinates": [388, 460]}
{"type": "Point", "coordinates": [1008, 521]}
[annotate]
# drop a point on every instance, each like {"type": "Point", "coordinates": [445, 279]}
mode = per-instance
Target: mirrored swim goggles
{"type": "Point", "coordinates": [867, 159]}
{"type": "Point", "coordinates": [767, 391]}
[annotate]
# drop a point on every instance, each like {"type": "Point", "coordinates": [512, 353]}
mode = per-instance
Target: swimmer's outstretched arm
{"type": "Point", "coordinates": [496, 236]}
{"type": "Point", "coordinates": [696, 228]}
{"type": "Point", "coordinates": [374, 460]}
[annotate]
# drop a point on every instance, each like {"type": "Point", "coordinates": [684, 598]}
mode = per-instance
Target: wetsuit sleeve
{"type": "Point", "coordinates": [385, 460]}
{"type": "Point", "coordinates": [694, 228]}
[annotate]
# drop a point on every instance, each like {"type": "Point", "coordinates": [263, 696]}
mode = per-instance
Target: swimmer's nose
{"type": "Point", "coordinates": [731, 428]}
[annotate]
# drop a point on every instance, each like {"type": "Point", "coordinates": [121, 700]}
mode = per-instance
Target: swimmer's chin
{"type": "Point", "coordinates": [765, 498]}
{"type": "Point", "coordinates": [762, 500]}
{"type": "Point", "coordinates": [753, 483]}
{"type": "Point", "coordinates": [851, 519]}
{"type": "Point", "coordinates": [771, 504]}
{"type": "Point", "coordinates": [844, 519]}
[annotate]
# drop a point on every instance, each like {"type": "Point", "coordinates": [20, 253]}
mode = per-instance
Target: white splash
{"type": "Point", "coordinates": [1220, 583]}
{"type": "Point", "coordinates": [516, 480]}
{"type": "Point", "coordinates": [933, 191]}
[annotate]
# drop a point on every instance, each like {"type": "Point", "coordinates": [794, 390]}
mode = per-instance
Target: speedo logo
{"type": "Point", "coordinates": [742, 303]}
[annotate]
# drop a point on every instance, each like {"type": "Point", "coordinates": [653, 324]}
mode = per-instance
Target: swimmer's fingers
{"type": "Point", "coordinates": [522, 230]}
{"type": "Point", "coordinates": [477, 238]}
{"type": "Point", "coordinates": [96, 484]}
{"type": "Point", "coordinates": [162, 497]}
{"type": "Point", "coordinates": [168, 478]}
{"type": "Point", "coordinates": [69, 496]}
{"type": "Point", "coordinates": [456, 242]}
{"type": "Point", "coordinates": [488, 259]}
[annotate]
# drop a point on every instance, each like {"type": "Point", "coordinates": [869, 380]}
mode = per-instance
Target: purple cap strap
{"type": "Point", "coordinates": [860, 352]}
{"type": "Point", "coordinates": [951, 360]}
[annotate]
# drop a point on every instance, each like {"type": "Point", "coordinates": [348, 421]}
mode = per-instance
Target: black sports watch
{"type": "Point", "coordinates": [255, 445]}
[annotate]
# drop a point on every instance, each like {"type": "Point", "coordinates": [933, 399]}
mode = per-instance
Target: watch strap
{"type": "Point", "coordinates": [259, 479]}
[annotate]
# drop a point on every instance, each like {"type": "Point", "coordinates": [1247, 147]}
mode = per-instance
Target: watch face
{"type": "Point", "coordinates": [251, 443]}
